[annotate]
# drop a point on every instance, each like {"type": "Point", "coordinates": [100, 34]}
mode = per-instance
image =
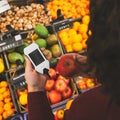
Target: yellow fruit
{"type": "Point", "coordinates": [77, 47]}
{"type": "Point", "coordinates": [0, 117]}
{"type": "Point", "coordinates": [3, 84]}
{"type": "Point", "coordinates": [68, 104]}
{"type": "Point", "coordinates": [2, 67]}
{"type": "Point", "coordinates": [68, 48]}
{"type": "Point", "coordinates": [83, 28]}
{"type": "Point", "coordinates": [86, 19]}
{"type": "Point", "coordinates": [7, 106]}
{"type": "Point", "coordinates": [60, 114]}
{"type": "Point", "coordinates": [23, 99]}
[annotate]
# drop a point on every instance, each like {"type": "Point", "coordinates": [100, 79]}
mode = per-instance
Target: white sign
{"type": "Point", "coordinates": [4, 6]}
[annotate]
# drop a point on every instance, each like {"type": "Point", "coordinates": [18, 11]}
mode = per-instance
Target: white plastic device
{"type": "Point", "coordinates": [37, 58]}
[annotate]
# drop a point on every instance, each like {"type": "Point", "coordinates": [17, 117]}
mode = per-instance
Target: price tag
{"type": "Point", "coordinates": [11, 43]}
{"type": "Point", "coordinates": [63, 24]}
{"type": "Point", "coordinates": [4, 6]}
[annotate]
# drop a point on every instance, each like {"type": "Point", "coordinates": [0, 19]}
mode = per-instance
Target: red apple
{"type": "Point", "coordinates": [49, 84]}
{"type": "Point", "coordinates": [52, 73]}
{"type": "Point", "coordinates": [54, 96]}
{"type": "Point", "coordinates": [60, 85]}
{"type": "Point", "coordinates": [67, 92]}
{"type": "Point", "coordinates": [63, 78]}
{"type": "Point", "coordinates": [66, 66]}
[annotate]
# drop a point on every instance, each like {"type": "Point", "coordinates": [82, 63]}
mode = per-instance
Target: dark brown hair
{"type": "Point", "coordinates": [104, 44]}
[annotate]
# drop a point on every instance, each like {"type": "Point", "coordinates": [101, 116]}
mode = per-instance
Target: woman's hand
{"type": "Point", "coordinates": [79, 68]}
{"type": "Point", "coordinates": [35, 80]}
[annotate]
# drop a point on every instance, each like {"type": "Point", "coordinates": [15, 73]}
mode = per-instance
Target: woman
{"type": "Point", "coordinates": [103, 57]}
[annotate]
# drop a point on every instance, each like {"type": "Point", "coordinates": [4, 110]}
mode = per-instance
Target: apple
{"type": "Point", "coordinates": [52, 73]}
{"type": "Point", "coordinates": [60, 85]}
{"type": "Point", "coordinates": [67, 92]}
{"type": "Point", "coordinates": [49, 84]}
{"type": "Point", "coordinates": [67, 66]}
{"type": "Point", "coordinates": [60, 114]}
{"type": "Point", "coordinates": [67, 81]}
{"type": "Point", "coordinates": [54, 96]}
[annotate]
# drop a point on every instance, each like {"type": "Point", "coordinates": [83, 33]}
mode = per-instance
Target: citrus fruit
{"type": "Point", "coordinates": [23, 99]}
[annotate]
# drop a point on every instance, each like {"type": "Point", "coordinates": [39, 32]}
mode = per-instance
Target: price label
{"type": "Point", "coordinates": [63, 24]}
{"type": "Point", "coordinates": [11, 43]}
{"type": "Point", "coordinates": [4, 6]}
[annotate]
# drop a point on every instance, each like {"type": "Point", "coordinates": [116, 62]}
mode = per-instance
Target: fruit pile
{"type": "Point", "coordinates": [6, 104]}
{"type": "Point", "coordinates": [24, 17]}
{"type": "Point", "coordinates": [69, 8]}
{"type": "Point", "coordinates": [47, 42]}
{"type": "Point", "coordinates": [86, 83]}
{"type": "Point", "coordinates": [58, 87]}
{"type": "Point", "coordinates": [74, 39]}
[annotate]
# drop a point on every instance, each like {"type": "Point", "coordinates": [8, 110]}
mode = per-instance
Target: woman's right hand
{"type": "Point", "coordinates": [35, 80]}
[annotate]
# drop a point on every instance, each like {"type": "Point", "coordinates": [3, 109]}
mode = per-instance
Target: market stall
{"type": "Point", "coordinates": [57, 28]}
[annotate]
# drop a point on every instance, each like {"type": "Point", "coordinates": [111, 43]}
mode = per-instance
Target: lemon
{"type": "Point", "coordinates": [23, 99]}
{"type": "Point", "coordinates": [2, 67]}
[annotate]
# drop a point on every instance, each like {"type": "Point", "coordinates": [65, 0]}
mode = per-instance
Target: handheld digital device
{"type": "Point", "coordinates": [37, 58]}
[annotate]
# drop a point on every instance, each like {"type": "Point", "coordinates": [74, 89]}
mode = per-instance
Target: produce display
{"type": "Point", "coordinates": [34, 19]}
{"type": "Point", "coordinates": [69, 8]}
{"type": "Point", "coordinates": [85, 83]}
{"type": "Point", "coordinates": [6, 104]}
{"type": "Point", "coordinates": [74, 39]}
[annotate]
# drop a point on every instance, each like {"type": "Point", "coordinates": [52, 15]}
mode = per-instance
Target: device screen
{"type": "Point", "coordinates": [36, 57]}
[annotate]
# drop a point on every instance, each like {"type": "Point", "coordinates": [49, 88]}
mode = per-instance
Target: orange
{"type": "Point", "coordinates": [3, 89]}
{"type": "Point", "coordinates": [84, 45]}
{"type": "Point", "coordinates": [68, 48]}
{"type": "Point", "coordinates": [7, 106]}
{"type": "Point", "coordinates": [1, 103]}
{"type": "Point", "coordinates": [1, 97]}
{"type": "Point", "coordinates": [77, 38]}
{"type": "Point", "coordinates": [6, 100]}
{"type": "Point", "coordinates": [86, 19]}
{"type": "Point", "coordinates": [77, 47]}
{"type": "Point", "coordinates": [1, 110]}
{"type": "Point", "coordinates": [1, 117]}
{"type": "Point", "coordinates": [10, 112]}
{"type": "Point", "coordinates": [65, 40]}
{"type": "Point", "coordinates": [63, 33]}
{"type": "Point", "coordinates": [72, 32]}
{"type": "Point", "coordinates": [6, 94]}
{"type": "Point", "coordinates": [76, 25]}
{"type": "Point", "coordinates": [83, 28]}
{"type": "Point", "coordinates": [5, 116]}
{"type": "Point", "coordinates": [3, 84]}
